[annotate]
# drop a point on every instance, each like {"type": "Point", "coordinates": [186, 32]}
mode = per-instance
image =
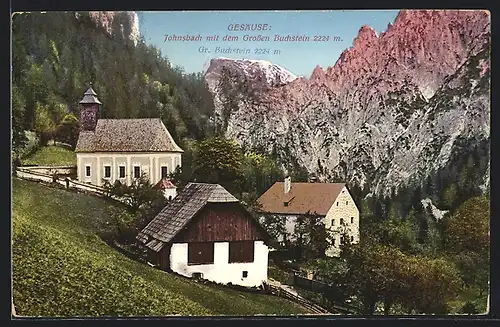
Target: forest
{"type": "Point", "coordinates": [56, 55]}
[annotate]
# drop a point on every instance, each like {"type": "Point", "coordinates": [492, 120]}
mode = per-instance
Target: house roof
{"type": "Point", "coordinates": [164, 184]}
{"type": "Point", "coordinates": [177, 213]}
{"type": "Point", "coordinates": [303, 198]}
{"type": "Point", "coordinates": [127, 135]}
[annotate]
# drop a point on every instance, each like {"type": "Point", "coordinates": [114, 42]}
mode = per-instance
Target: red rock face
{"type": "Point", "coordinates": [389, 109]}
{"type": "Point", "coordinates": [423, 46]}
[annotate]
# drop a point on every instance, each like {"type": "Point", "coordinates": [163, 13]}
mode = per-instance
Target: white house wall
{"type": "Point", "coordinates": [170, 193]}
{"type": "Point", "coordinates": [221, 271]}
{"type": "Point", "coordinates": [343, 208]}
{"type": "Point", "coordinates": [150, 163]}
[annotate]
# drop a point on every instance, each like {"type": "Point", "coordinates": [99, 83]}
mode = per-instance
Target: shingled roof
{"type": "Point", "coordinates": [302, 198]}
{"type": "Point", "coordinates": [177, 213]}
{"type": "Point", "coordinates": [127, 135]}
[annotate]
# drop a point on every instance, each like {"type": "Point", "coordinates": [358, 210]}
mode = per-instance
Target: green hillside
{"type": "Point", "coordinates": [61, 267]}
{"type": "Point", "coordinates": [52, 155]}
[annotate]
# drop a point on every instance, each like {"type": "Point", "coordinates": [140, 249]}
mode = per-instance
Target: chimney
{"type": "Point", "coordinates": [288, 184]}
{"type": "Point", "coordinates": [89, 113]}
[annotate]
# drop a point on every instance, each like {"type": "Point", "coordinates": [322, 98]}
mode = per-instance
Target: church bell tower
{"type": "Point", "coordinates": [90, 110]}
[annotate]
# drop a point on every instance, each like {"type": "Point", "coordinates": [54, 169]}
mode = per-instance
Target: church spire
{"type": "Point", "coordinates": [90, 111]}
{"type": "Point", "coordinates": [90, 96]}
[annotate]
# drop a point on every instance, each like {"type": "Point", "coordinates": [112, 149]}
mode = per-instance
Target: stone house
{"type": "Point", "coordinates": [331, 201]}
{"type": "Point", "coordinates": [205, 232]}
{"type": "Point", "coordinates": [122, 149]}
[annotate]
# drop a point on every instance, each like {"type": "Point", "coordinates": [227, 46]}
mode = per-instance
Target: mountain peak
{"type": "Point", "coordinates": [318, 73]}
{"type": "Point", "coordinates": [366, 34]}
{"type": "Point", "coordinates": [261, 73]}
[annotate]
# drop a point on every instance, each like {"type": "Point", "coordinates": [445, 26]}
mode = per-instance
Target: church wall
{"type": "Point", "coordinates": [149, 162]}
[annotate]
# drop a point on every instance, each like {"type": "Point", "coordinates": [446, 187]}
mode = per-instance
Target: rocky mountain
{"type": "Point", "coordinates": [393, 109]}
{"type": "Point", "coordinates": [126, 21]}
{"type": "Point", "coordinates": [261, 72]}
{"type": "Point", "coordinates": [261, 75]}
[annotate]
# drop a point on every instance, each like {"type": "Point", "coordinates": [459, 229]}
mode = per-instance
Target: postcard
{"type": "Point", "coordinates": [250, 163]}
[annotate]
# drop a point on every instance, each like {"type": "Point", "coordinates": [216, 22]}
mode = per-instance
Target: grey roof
{"type": "Point", "coordinates": [90, 97]}
{"type": "Point", "coordinates": [177, 213]}
{"type": "Point", "coordinates": [127, 135]}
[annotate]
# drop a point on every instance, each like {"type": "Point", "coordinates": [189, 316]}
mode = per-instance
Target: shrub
{"type": "Point", "coordinates": [469, 308]}
{"type": "Point", "coordinates": [67, 131]}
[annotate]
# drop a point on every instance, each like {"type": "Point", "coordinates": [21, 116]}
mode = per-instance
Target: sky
{"type": "Point", "coordinates": [298, 57]}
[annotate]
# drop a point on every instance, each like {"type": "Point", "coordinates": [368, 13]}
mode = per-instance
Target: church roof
{"type": "Point", "coordinates": [127, 135]}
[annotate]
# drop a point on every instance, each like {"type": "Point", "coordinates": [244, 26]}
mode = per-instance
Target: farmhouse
{"type": "Point", "coordinates": [332, 201]}
{"type": "Point", "coordinates": [205, 232]}
{"type": "Point", "coordinates": [122, 149]}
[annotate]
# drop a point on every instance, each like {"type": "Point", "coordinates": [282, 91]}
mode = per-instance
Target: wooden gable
{"type": "Point", "coordinates": [222, 222]}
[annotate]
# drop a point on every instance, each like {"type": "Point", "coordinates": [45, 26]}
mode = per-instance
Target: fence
{"type": "Point", "coordinates": [279, 291]}
{"type": "Point", "coordinates": [310, 284]}
{"type": "Point", "coordinates": [318, 286]}
{"type": "Point", "coordinates": [49, 170]}
{"type": "Point", "coordinates": [28, 174]}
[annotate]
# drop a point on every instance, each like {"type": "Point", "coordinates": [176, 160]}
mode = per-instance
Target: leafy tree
{"type": "Point", "coordinates": [468, 228]}
{"type": "Point", "coordinates": [469, 308]}
{"type": "Point", "coordinates": [336, 273]}
{"type": "Point", "coordinates": [310, 238]}
{"type": "Point", "coordinates": [431, 283]}
{"type": "Point", "coordinates": [466, 239]}
{"type": "Point", "coordinates": [19, 139]}
{"type": "Point", "coordinates": [44, 124]}
{"type": "Point", "coordinates": [139, 195]}
{"type": "Point", "coordinates": [417, 283]}
{"type": "Point", "coordinates": [261, 172]}
{"type": "Point", "coordinates": [275, 226]}
{"type": "Point", "coordinates": [36, 95]}
{"type": "Point", "coordinates": [219, 160]}
{"type": "Point", "coordinates": [399, 233]}
{"type": "Point", "coordinates": [68, 130]}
